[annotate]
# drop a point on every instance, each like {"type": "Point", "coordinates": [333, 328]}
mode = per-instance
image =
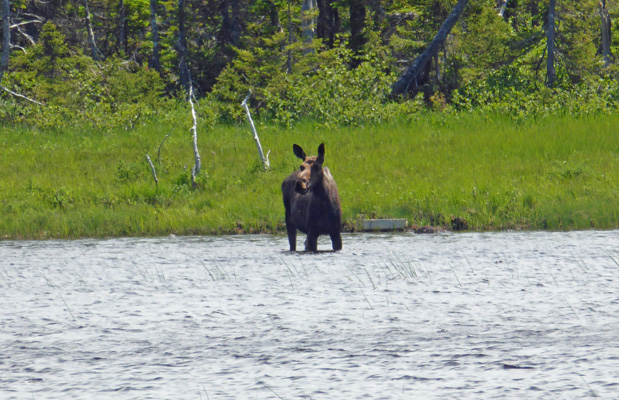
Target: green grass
{"type": "Point", "coordinates": [556, 173]}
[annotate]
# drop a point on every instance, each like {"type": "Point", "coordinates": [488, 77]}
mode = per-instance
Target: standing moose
{"type": "Point", "coordinates": [312, 202]}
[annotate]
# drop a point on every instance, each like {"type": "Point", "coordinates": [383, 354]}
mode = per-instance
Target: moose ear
{"type": "Point", "coordinates": [298, 151]}
{"type": "Point", "coordinates": [321, 153]}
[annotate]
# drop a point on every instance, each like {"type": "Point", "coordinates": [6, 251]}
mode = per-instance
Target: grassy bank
{"type": "Point", "coordinates": [554, 173]}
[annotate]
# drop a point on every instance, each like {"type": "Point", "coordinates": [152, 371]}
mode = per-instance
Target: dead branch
{"type": "Point", "coordinates": [152, 168]}
{"type": "Point", "coordinates": [21, 96]}
{"type": "Point", "coordinates": [413, 77]}
{"type": "Point", "coordinates": [26, 23]}
{"type": "Point", "coordinates": [160, 145]}
{"type": "Point", "coordinates": [265, 160]}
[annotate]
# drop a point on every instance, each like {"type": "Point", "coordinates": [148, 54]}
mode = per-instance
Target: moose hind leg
{"type": "Point", "coordinates": [336, 241]}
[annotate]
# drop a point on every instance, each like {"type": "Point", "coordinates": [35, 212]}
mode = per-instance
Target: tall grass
{"type": "Point", "coordinates": [552, 173]}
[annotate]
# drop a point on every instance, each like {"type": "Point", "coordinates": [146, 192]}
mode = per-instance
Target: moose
{"type": "Point", "coordinates": [312, 202]}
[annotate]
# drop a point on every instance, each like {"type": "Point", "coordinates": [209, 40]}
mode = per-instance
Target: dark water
{"type": "Point", "coordinates": [458, 316]}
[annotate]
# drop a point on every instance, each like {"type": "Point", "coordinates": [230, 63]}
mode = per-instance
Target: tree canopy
{"type": "Point", "coordinates": [323, 59]}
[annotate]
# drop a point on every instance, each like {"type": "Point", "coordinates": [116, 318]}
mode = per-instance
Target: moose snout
{"type": "Point", "coordinates": [302, 186]}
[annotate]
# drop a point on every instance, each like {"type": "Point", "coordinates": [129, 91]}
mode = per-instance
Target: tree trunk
{"type": "Point", "coordinates": [230, 32]}
{"type": "Point", "coordinates": [357, 25]}
{"type": "Point", "coordinates": [551, 74]}
{"type": "Point", "coordinates": [181, 47]}
{"type": "Point", "coordinates": [122, 34]}
{"type": "Point", "coordinates": [308, 22]}
{"type": "Point", "coordinates": [96, 53]}
{"type": "Point", "coordinates": [6, 38]}
{"type": "Point", "coordinates": [328, 24]}
{"type": "Point", "coordinates": [289, 60]}
{"type": "Point", "coordinates": [414, 76]}
{"type": "Point", "coordinates": [154, 61]}
{"type": "Point", "coordinates": [606, 33]}
{"type": "Point", "coordinates": [378, 12]}
{"type": "Point", "coordinates": [502, 7]}
{"type": "Point", "coordinates": [274, 15]}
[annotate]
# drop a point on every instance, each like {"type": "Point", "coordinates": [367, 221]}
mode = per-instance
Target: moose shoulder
{"type": "Point", "coordinates": [312, 202]}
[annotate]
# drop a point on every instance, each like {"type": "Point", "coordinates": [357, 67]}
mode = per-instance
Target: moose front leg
{"type": "Point", "coordinates": [311, 243]}
{"type": "Point", "coordinates": [292, 234]}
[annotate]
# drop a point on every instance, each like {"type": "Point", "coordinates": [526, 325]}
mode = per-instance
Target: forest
{"type": "Point", "coordinates": [119, 63]}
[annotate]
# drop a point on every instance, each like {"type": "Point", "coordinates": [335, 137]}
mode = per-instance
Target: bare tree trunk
{"type": "Point", "coordinates": [502, 8]}
{"type": "Point", "coordinates": [357, 25]}
{"type": "Point", "coordinates": [263, 159]}
{"type": "Point", "coordinates": [274, 15]}
{"type": "Point", "coordinates": [412, 78]}
{"type": "Point", "coordinates": [183, 72]}
{"type": "Point", "coordinates": [551, 74]}
{"type": "Point", "coordinates": [308, 23]}
{"type": "Point", "coordinates": [328, 24]}
{"type": "Point", "coordinates": [6, 38]}
{"type": "Point", "coordinates": [122, 35]}
{"type": "Point", "coordinates": [606, 33]}
{"type": "Point", "coordinates": [152, 169]}
{"type": "Point", "coordinates": [289, 61]}
{"type": "Point", "coordinates": [6, 49]}
{"type": "Point", "coordinates": [96, 53]}
{"type": "Point", "coordinates": [230, 32]}
{"type": "Point", "coordinates": [154, 61]}
{"type": "Point", "coordinates": [195, 171]}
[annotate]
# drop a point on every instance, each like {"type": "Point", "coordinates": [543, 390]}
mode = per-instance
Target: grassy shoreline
{"type": "Point", "coordinates": [556, 173]}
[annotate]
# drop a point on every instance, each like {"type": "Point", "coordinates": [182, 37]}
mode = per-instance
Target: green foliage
{"type": "Point", "coordinates": [556, 173]}
{"type": "Point", "coordinates": [78, 91]}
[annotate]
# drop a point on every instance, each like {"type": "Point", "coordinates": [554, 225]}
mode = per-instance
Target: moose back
{"type": "Point", "coordinates": [312, 202]}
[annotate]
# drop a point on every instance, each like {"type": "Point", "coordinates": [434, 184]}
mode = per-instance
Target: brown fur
{"type": "Point", "coordinates": [312, 202]}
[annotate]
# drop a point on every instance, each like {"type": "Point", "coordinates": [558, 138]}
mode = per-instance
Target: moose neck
{"type": "Point", "coordinates": [318, 186]}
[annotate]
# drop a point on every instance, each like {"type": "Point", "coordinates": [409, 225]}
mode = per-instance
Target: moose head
{"type": "Point", "coordinates": [310, 172]}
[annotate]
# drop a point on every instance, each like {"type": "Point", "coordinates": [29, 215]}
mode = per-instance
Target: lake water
{"type": "Point", "coordinates": [459, 316]}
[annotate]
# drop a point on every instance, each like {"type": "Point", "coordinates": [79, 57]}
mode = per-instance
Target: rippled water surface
{"type": "Point", "coordinates": [466, 316]}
